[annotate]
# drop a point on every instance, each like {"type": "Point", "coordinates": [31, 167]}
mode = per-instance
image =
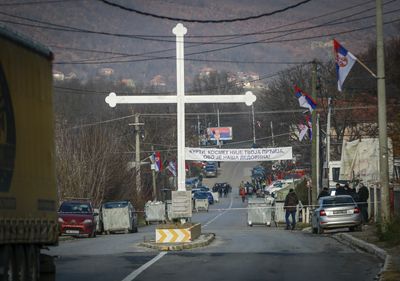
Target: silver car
{"type": "Point", "coordinates": [336, 212]}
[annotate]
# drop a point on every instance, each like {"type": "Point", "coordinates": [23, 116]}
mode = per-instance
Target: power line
{"type": "Point", "coordinates": [35, 3]}
{"type": "Point", "coordinates": [207, 113]}
{"type": "Point", "coordinates": [206, 21]}
{"type": "Point", "coordinates": [262, 41]}
{"type": "Point", "coordinates": [64, 28]}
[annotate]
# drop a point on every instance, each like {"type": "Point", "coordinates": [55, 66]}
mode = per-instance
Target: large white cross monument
{"type": "Point", "coordinates": [180, 99]}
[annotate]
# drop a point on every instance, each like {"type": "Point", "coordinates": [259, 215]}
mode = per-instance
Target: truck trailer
{"type": "Point", "coordinates": [28, 195]}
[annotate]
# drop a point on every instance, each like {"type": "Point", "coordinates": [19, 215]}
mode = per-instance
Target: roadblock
{"type": "Point", "coordinates": [175, 234]}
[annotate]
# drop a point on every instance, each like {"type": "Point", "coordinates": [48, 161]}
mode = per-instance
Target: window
{"type": "Point", "coordinates": [335, 174]}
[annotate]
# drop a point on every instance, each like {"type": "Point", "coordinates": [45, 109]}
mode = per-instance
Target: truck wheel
{"type": "Point", "coordinates": [21, 263]}
{"type": "Point", "coordinates": [7, 260]}
{"type": "Point", "coordinates": [32, 255]}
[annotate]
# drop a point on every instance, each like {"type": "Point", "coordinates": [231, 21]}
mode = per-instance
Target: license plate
{"type": "Point", "coordinates": [339, 212]}
{"type": "Point", "coordinates": [72, 231]}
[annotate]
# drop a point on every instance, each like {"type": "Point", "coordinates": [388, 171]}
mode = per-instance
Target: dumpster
{"type": "Point", "coordinates": [118, 216]}
{"type": "Point", "coordinates": [154, 211]}
{"type": "Point", "coordinates": [261, 211]}
{"type": "Point", "coordinates": [201, 204]}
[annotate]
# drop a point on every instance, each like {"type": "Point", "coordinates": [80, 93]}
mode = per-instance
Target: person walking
{"type": "Point", "coordinates": [363, 195]}
{"type": "Point", "coordinates": [242, 193]}
{"type": "Point", "coordinates": [290, 207]}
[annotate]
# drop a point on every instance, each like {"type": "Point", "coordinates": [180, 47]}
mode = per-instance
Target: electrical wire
{"type": "Point", "coordinates": [263, 41]}
{"type": "Point", "coordinates": [142, 36]}
{"type": "Point", "coordinates": [35, 3]}
{"type": "Point", "coordinates": [207, 21]}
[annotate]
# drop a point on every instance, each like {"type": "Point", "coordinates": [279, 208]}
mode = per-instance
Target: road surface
{"type": "Point", "coordinates": [239, 252]}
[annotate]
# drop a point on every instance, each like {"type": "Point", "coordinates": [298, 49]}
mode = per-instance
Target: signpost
{"type": "Point", "coordinates": [180, 99]}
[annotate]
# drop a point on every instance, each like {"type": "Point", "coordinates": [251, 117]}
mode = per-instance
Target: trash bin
{"type": "Point", "coordinates": [118, 216]}
{"type": "Point", "coordinates": [154, 211]}
{"type": "Point", "coordinates": [261, 211]}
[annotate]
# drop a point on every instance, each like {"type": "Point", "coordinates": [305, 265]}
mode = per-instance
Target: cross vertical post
{"type": "Point", "coordinates": [180, 31]}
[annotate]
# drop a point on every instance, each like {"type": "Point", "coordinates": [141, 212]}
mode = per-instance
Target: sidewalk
{"type": "Point", "coordinates": [368, 241]}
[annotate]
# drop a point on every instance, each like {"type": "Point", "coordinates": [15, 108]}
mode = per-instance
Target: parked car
{"type": "Point", "coordinates": [192, 183]}
{"type": "Point", "coordinates": [210, 171]}
{"type": "Point", "coordinates": [77, 218]}
{"type": "Point", "coordinates": [336, 212]}
{"type": "Point", "coordinates": [118, 216]}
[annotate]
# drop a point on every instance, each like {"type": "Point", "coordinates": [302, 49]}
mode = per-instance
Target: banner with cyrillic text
{"type": "Point", "coordinates": [251, 154]}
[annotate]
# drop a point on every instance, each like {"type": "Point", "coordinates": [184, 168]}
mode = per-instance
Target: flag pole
{"type": "Point", "coordinates": [366, 67]}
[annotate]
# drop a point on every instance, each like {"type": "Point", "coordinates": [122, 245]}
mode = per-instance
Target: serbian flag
{"type": "Point", "coordinates": [304, 99]}
{"type": "Point", "coordinates": [309, 125]}
{"type": "Point", "coordinates": [303, 131]}
{"type": "Point", "coordinates": [344, 62]}
{"type": "Point", "coordinates": [157, 160]}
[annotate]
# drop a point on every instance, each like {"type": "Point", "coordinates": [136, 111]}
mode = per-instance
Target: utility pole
{"type": "Point", "coordinates": [328, 140]}
{"type": "Point", "coordinates": [272, 134]}
{"type": "Point", "coordinates": [254, 125]}
{"type": "Point", "coordinates": [137, 152]}
{"type": "Point", "coordinates": [198, 129]}
{"type": "Point", "coordinates": [153, 174]}
{"type": "Point", "coordinates": [314, 147]}
{"type": "Point", "coordinates": [318, 166]}
{"type": "Point", "coordinates": [382, 123]}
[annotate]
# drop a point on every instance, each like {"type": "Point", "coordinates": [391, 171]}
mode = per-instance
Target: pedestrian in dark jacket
{"type": "Point", "coordinates": [352, 192]}
{"type": "Point", "coordinates": [290, 207]}
{"type": "Point", "coordinates": [340, 190]}
{"type": "Point", "coordinates": [363, 195]}
{"type": "Point", "coordinates": [324, 192]}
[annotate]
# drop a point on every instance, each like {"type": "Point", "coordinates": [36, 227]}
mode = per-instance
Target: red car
{"type": "Point", "coordinates": [76, 218]}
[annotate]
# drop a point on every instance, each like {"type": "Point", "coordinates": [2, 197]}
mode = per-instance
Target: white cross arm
{"type": "Point", "coordinates": [112, 99]}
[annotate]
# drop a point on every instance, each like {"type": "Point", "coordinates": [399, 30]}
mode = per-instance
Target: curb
{"type": "Point", "coordinates": [369, 248]}
{"type": "Point", "coordinates": [204, 240]}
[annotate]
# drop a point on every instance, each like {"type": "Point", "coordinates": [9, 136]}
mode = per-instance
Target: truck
{"type": "Point", "coordinates": [28, 194]}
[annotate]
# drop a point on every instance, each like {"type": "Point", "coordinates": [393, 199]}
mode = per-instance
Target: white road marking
{"type": "Point", "coordinates": [216, 217]}
{"type": "Point", "coordinates": [137, 272]}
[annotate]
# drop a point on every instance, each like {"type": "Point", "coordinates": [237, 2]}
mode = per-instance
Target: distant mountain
{"type": "Point", "coordinates": [71, 47]}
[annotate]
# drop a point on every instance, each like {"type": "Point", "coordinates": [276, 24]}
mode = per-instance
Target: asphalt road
{"type": "Point", "coordinates": [239, 252]}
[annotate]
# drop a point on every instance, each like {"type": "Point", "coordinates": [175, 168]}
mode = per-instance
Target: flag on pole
{"type": "Point", "coordinates": [172, 168]}
{"type": "Point", "coordinates": [344, 62]}
{"type": "Point", "coordinates": [309, 125]}
{"type": "Point", "coordinates": [157, 161]}
{"type": "Point", "coordinates": [304, 99]}
{"type": "Point", "coordinates": [303, 131]}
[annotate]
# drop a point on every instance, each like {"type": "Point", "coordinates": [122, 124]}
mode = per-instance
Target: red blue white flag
{"type": "Point", "coordinates": [157, 160]}
{"type": "Point", "coordinates": [344, 62]}
{"type": "Point", "coordinates": [304, 99]}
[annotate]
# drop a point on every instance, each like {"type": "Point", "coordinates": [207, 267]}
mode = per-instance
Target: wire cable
{"type": "Point", "coordinates": [206, 21]}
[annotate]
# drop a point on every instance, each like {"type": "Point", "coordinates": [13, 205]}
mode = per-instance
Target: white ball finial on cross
{"type": "Point", "coordinates": [179, 30]}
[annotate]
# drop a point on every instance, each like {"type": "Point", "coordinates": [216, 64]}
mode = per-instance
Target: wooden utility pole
{"type": "Point", "coordinates": [382, 122]}
{"type": "Point", "coordinates": [314, 147]}
{"type": "Point", "coordinates": [153, 174]}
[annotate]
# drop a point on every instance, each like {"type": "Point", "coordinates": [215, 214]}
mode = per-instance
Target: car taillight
{"type": "Point", "coordinates": [87, 221]}
{"type": "Point", "coordinates": [322, 213]}
{"type": "Point", "coordinates": [356, 210]}
{"type": "Point", "coordinates": [60, 220]}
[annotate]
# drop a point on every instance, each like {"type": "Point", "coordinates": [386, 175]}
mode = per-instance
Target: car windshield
{"type": "Point", "coordinates": [337, 202]}
{"type": "Point", "coordinates": [200, 195]}
{"type": "Point", "coordinates": [113, 205]}
{"type": "Point", "coordinates": [75, 207]}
